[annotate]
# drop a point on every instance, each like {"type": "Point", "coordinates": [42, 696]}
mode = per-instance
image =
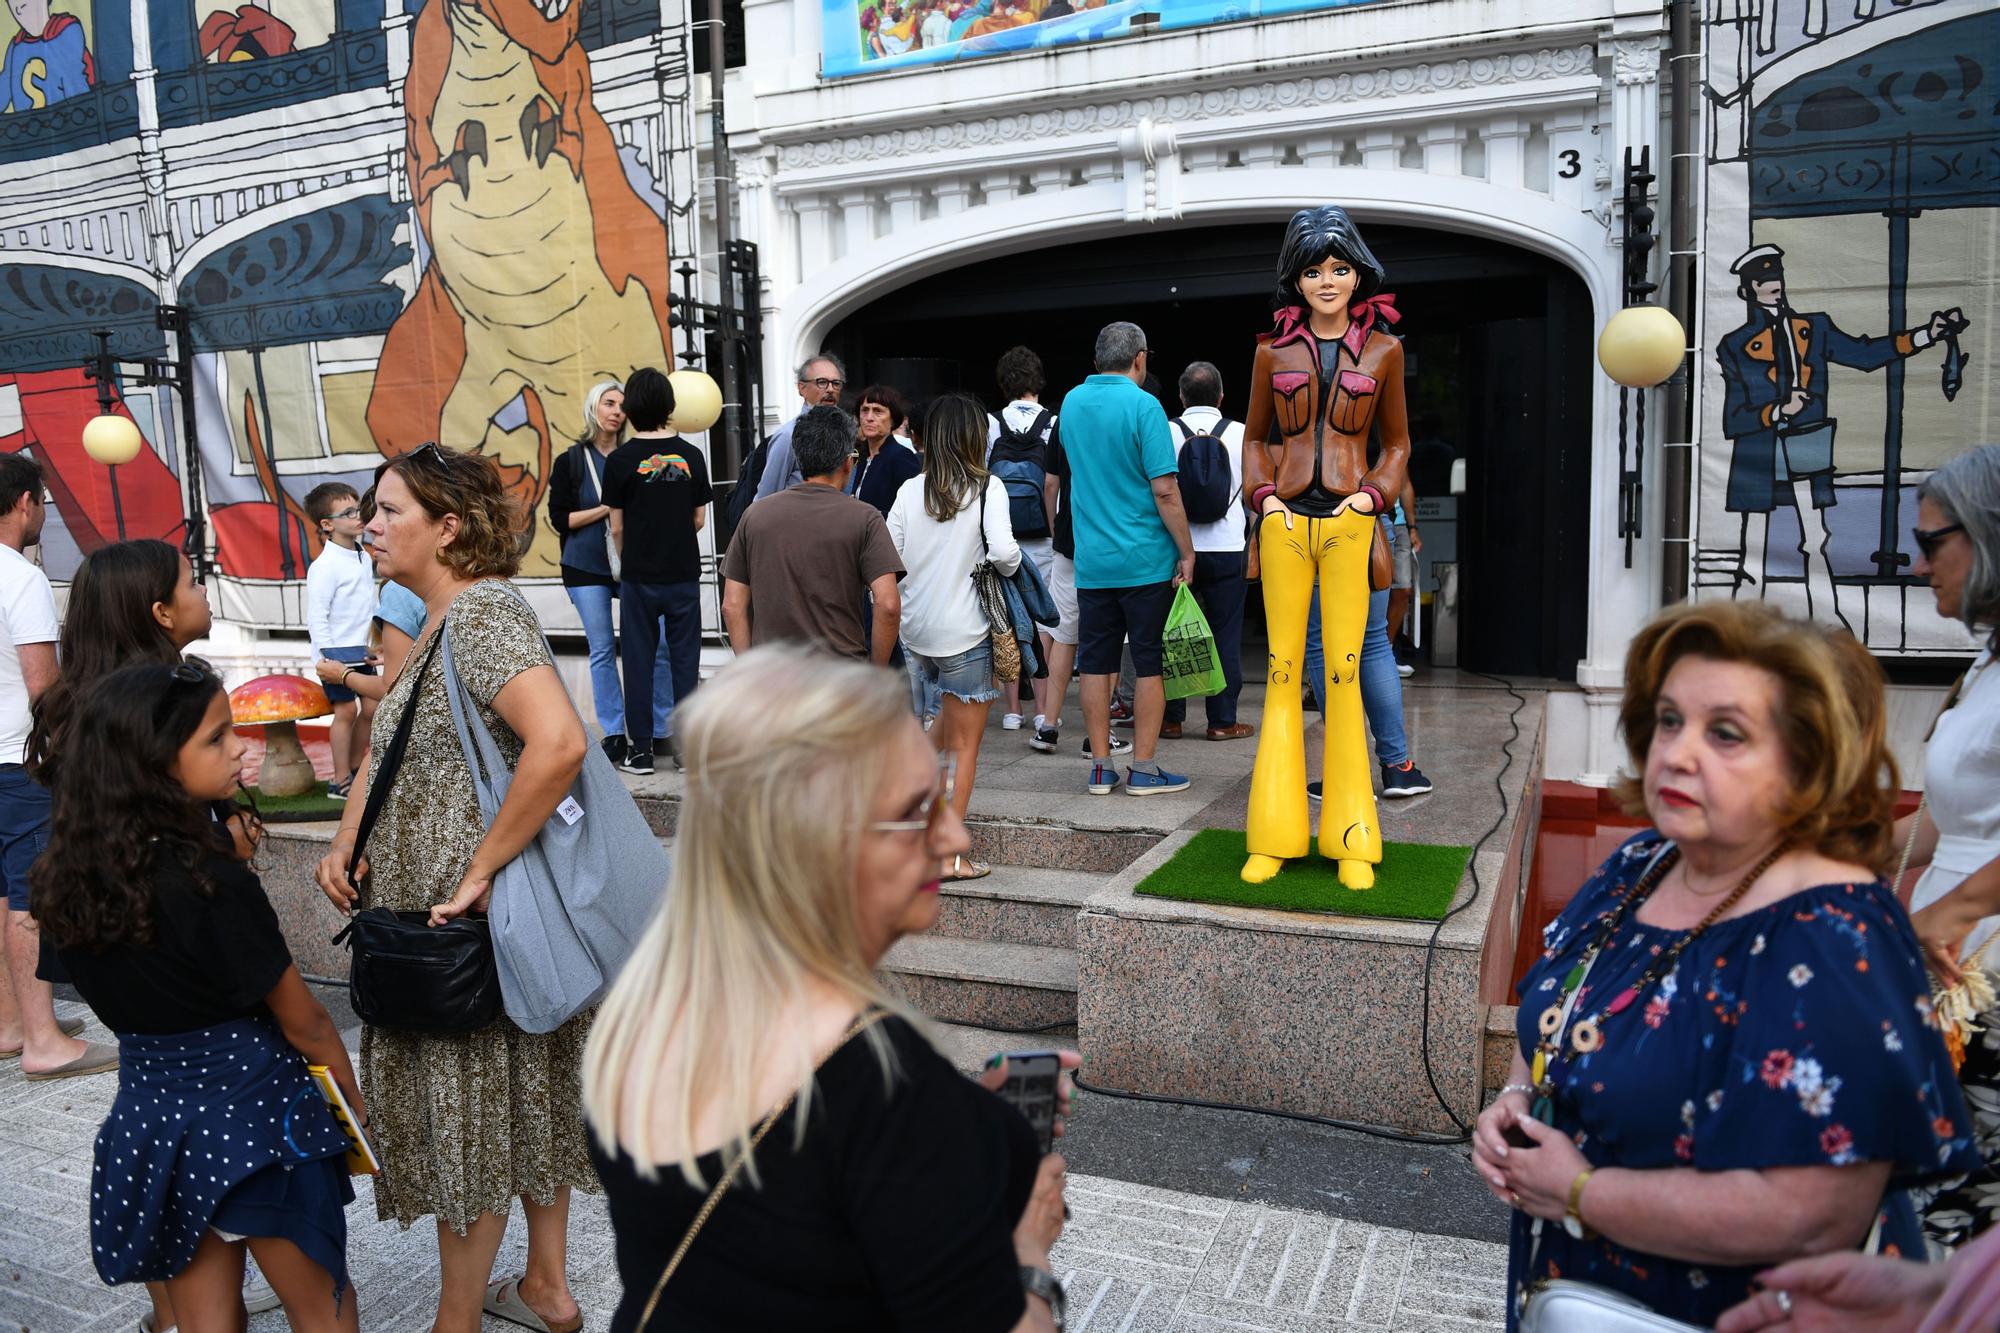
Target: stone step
{"type": "Point", "coordinates": [1017, 905]}
{"type": "Point", "coordinates": [1497, 1044]}
{"type": "Point", "coordinates": [970, 1048]}
{"type": "Point", "coordinates": [985, 982]}
{"type": "Point", "coordinates": [1103, 842]}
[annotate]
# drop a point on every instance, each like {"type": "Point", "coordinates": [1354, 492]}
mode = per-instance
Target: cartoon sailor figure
{"type": "Point", "coordinates": [1774, 409]}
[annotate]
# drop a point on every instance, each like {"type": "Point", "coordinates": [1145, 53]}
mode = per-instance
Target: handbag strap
{"type": "Point", "coordinates": [384, 776]}
{"type": "Point", "coordinates": [866, 1019]}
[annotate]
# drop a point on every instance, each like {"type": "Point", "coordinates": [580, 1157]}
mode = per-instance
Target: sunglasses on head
{"type": "Point", "coordinates": [189, 673]}
{"type": "Point", "coordinates": [1929, 539]}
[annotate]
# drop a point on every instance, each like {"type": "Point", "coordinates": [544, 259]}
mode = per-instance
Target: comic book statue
{"type": "Point", "coordinates": [1324, 378]}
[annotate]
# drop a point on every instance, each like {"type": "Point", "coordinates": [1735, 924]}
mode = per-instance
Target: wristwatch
{"type": "Point", "coordinates": [1041, 1282]}
{"type": "Point", "coordinates": [1573, 1214]}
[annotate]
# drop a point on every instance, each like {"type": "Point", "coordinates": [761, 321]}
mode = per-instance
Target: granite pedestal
{"type": "Point", "coordinates": [1314, 1012]}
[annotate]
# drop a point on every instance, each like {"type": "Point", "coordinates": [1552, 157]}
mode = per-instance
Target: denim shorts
{"type": "Point", "coordinates": [967, 675]}
{"type": "Point", "coordinates": [340, 694]}
{"type": "Point", "coordinates": [24, 830]}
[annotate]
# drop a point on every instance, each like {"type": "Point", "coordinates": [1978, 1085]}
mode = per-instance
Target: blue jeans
{"type": "Point", "coordinates": [650, 609]}
{"type": "Point", "coordinates": [607, 693]}
{"type": "Point", "coordinates": [1381, 686]}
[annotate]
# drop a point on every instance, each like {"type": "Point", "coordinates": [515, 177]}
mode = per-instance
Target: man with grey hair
{"type": "Point", "coordinates": [1132, 549]}
{"type": "Point", "coordinates": [809, 561]}
{"type": "Point", "coordinates": [821, 378]}
{"type": "Point", "coordinates": [1219, 555]}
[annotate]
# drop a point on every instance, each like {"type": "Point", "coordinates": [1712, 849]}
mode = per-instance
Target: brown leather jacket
{"type": "Point", "coordinates": [1293, 420]}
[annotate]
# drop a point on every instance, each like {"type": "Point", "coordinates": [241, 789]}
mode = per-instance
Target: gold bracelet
{"type": "Point", "coordinates": [1573, 1214]}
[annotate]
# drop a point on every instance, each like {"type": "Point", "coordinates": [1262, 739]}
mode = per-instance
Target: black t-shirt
{"type": "Point", "coordinates": [897, 1212]}
{"type": "Point", "coordinates": [658, 483]}
{"type": "Point", "coordinates": [876, 480]}
{"type": "Point", "coordinates": [1065, 534]}
{"type": "Point", "coordinates": [213, 958]}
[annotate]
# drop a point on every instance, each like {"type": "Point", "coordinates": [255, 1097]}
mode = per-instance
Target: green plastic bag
{"type": "Point", "coordinates": [1190, 665]}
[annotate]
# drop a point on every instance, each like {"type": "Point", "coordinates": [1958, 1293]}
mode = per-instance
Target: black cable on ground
{"type": "Point", "coordinates": [1430, 955]}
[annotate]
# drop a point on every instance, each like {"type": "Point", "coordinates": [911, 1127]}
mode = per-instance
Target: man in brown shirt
{"type": "Point", "coordinates": [806, 561]}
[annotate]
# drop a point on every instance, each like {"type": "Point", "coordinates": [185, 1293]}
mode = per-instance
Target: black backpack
{"type": "Point", "coordinates": [1206, 492]}
{"type": "Point", "coordinates": [1021, 460]}
{"type": "Point", "coordinates": [731, 513]}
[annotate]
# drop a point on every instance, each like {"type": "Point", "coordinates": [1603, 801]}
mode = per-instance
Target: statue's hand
{"type": "Point", "coordinates": [1273, 505]}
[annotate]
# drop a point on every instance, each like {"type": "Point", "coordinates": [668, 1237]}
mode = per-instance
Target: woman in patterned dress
{"type": "Point", "coordinates": [466, 1123]}
{"type": "Point", "coordinates": [1728, 1054]}
{"type": "Point", "coordinates": [1956, 905]}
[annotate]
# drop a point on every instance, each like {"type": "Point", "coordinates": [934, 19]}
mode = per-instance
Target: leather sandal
{"type": "Point", "coordinates": [1235, 731]}
{"type": "Point", "coordinates": [962, 869]}
{"type": "Point", "coordinates": [503, 1301]}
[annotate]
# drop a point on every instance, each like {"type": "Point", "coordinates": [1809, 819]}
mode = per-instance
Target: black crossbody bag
{"type": "Point", "coordinates": [405, 974]}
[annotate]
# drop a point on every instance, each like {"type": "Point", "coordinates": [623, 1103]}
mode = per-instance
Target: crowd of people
{"type": "Point", "coordinates": [1735, 1096]}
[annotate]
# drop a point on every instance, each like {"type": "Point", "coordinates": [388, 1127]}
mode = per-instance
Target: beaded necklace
{"type": "Point", "coordinates": [1587, 1034]}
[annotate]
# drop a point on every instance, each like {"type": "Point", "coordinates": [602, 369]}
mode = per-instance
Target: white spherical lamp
{"type": "Point", "coordinates": [1642, 346]}
{"type": "Point", "coordinates": [112, 440]}
{"type": "Point", "coordinates": [697, 401]}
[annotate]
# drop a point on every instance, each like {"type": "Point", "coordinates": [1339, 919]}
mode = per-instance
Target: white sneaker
{"type": "Point", "coordinates": [257, 1294]}
{"type": "Point", "coordinates": [1040, 721]}
{"type": "Point", "coordinates": [1011, 722]}
{"type": "Point", "coordinates": [1405, 670]}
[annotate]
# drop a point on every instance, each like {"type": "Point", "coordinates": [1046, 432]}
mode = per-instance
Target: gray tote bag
{"type": "Point", "coordinates": [568, 910]}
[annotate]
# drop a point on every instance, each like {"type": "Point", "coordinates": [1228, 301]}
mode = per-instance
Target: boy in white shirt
{"type": "Point", "coordinates": [340, 605]}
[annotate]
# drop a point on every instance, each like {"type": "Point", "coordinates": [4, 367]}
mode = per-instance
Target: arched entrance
{"type": "Point", "coordinates": [1497, 341]}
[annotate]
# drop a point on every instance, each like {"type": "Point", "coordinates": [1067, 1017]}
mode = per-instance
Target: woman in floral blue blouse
{"type": "Point", "coordinates": [1727, 1054]}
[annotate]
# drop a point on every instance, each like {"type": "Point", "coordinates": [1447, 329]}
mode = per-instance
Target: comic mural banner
{"type": "Point", "coordinates": [867, 36]}
{"type": "Point", "coordinates": [1852, 241]}
{"type": "Point", "coordinates": [366, 263]}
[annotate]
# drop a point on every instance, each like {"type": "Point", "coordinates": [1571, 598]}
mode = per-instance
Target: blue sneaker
{"type": "Point", "coordinates": [1103, 779]}
{"type": "Point", "coordinates": [1141, 783]}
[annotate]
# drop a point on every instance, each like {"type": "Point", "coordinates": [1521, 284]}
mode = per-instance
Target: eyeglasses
{"type": "Point", "coordinates": [826, 384]}
{"type": "Point", "coordinates": [1929, 539]}
{"type": "Point", "coordinates": [934, 805]}
{"type": "Point", "coordinates": [352, 511]}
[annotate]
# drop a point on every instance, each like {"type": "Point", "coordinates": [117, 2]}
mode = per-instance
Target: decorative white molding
{"type": "Point", "coordinates": [1410, 81]}
{"type": "Point", "coordinates": [1152, 172]}
{"type": "Point", "coordinates": [1636, 59]}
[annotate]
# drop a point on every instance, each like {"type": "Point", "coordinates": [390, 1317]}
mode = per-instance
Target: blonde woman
{"type": "Point", "coordinates": [748, 1054]}
{"type": "Point", "coordinates": [590, 561]}
{"type": "Point", "coordinates": [945, 524]}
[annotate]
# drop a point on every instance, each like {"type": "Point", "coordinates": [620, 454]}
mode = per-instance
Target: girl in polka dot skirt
{"type": "Point", "coordinates": [218, 1136]}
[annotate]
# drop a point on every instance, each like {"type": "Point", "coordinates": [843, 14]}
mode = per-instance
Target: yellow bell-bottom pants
{"type": "Point", "coordinates": [1337, 549]}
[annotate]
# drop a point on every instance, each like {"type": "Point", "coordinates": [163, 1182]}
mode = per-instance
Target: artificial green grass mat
{"type": "Point", "coordinates": [1415, 881]}
{"type": "Point", "coordinates": [311, 804]}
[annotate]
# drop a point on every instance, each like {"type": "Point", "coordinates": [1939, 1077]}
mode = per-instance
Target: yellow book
{"type": "Point", "coordinates": [361, 1159]}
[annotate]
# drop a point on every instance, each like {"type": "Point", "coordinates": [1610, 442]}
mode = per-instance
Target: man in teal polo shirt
{"type": "Point", "coordinates": [1132, 548]}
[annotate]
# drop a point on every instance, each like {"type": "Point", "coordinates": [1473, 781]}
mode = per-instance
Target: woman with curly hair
{"type": "Point", "coordinates": [470, 1121]}
{"type": "Point", "coordinates": [168, 937]}
{"type": "Point", "coordinates": [1729, 1057]}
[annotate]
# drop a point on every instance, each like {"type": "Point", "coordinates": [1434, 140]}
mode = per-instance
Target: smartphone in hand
{"type": "Point", "coordinates": [1031, 1089]}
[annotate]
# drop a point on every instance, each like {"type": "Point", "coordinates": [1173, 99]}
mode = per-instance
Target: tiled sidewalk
{"type": "Point", "coordinates": [1134, 1258]}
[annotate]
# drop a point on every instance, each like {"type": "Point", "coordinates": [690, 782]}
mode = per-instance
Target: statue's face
{"type": "Point", "coordinates": [1327, 286]}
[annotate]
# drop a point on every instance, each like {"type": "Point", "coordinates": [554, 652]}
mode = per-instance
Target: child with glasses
{"type": "Point", "coordinates": [340, 611]}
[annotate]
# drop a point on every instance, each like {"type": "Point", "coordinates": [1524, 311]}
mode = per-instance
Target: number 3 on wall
{"type": "Point", "coordinates": [1572, 166]}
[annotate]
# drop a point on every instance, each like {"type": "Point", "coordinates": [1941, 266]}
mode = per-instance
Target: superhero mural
{"type": "Point", "coordinates": [48, 54]}
{"type": "Point", "coordinates": [344, 319]}
{"type": "Point", "coordinates": [547, 271]}
{"type": "Point", "coordinates": [1849, 300]}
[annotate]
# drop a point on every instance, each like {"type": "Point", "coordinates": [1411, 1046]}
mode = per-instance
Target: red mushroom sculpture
{"type": "Point", "coordinates": [277, 704]}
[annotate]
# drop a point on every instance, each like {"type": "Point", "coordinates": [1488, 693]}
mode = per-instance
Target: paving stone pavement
{"type": "Point", "coordinates": [1134, 1258]}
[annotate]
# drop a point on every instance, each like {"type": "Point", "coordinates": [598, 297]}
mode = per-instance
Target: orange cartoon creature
{"type": "Point", "coordinates": [547, 271]}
